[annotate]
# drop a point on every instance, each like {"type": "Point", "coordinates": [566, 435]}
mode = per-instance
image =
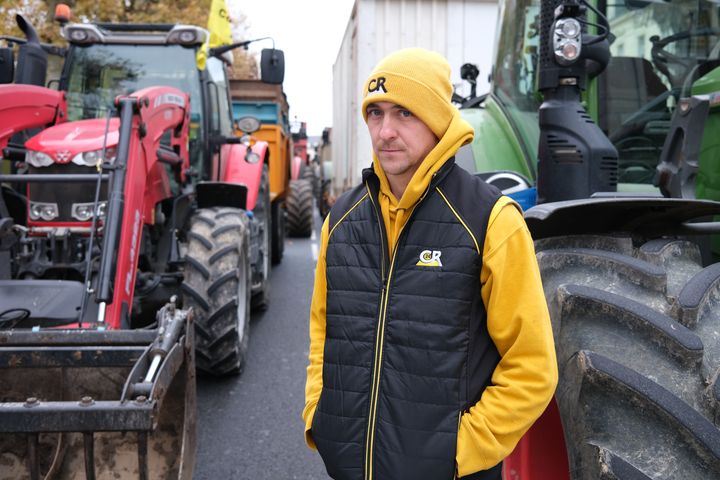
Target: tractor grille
{"type": "Point", "coordinates": [65, 194]}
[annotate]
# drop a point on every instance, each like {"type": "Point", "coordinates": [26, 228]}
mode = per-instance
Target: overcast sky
{"type": "Point", "coordinates": [310, 33]}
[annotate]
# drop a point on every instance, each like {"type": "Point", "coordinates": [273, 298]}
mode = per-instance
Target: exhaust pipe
{"type": "Point", "coordinates": [32, 59]}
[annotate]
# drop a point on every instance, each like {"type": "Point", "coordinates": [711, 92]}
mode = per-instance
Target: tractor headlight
{"type": "Point", "coordinates": [43, 211]}
{"type": "Point", "coordinates": [90, 159]}
{"type": "Point", "coordinates": [567, 40]}
{"type": "Point", "coordinates": [84, 211]}
{"type": "Point", "coordinates": [248, 124]}
{"type": "Point", "coordinates": [38, 159]}
{"type": "Point", "coordinates": [252, 157]}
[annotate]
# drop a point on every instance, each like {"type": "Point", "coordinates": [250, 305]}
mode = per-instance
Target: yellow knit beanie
{"type": "Point", "coordinates": [418, 80]}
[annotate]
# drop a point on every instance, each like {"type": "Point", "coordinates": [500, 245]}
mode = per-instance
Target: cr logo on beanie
{"type": "Point", "coordinates": [376, 84]}
{"type": "Point", "coordinates": [418, 80]}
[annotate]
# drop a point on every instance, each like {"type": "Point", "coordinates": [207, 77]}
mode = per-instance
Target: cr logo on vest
{"type": "Point", "coordinates": [377, 84]}
{"type": "Point", "coordinates": [429, 258]}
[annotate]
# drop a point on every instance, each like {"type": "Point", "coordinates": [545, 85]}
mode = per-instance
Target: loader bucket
{"type": "Point", "coordinates": [77, 404]}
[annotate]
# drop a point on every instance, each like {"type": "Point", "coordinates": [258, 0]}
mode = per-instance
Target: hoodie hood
{"type": "Point", "coordinates": [396, 211]}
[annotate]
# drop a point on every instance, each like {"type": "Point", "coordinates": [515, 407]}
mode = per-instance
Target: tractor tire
{"type": "Point", "coordinates": [217, 287]}
{"type": "Point", "coordinates": [308, 173]}
{"type": "Point", "coordinates": [299, 206]}
{"type": "Point", "coordinates": [637, 334]}
{"type": "Point", "coordinates": [262, 212]}
{"type": "Point", "coordinates": [278, 232]}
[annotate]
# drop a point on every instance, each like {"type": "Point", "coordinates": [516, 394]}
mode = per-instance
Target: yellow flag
{"type": "Point", "coordinates": [219, 28]}
{"type": "Point", "coordinates": [219, 24]}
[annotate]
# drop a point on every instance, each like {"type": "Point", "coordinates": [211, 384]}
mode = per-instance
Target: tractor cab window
{"type": "Point", "coordinates": [221, 120]}
{"type": "Point", "coordinates": [96, 74]}
{"type": "Point", "coordinates": [660, 52]}
{"type": "Point", "coordinates": [515, 72]}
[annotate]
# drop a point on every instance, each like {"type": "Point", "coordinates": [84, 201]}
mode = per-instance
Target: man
{"type": "Point", "coordinates": [431, 351]}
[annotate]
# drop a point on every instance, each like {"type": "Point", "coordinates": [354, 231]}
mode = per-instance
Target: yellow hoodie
{"type": "Point", "coordinates": [518, 321]}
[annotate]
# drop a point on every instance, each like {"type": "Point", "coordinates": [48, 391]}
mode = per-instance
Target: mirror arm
{"type": "Point", "coordinates": [217, 51]}
{"type": "Point", "coordinates": [48, 47]}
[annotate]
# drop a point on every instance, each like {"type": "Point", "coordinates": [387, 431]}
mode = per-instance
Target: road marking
{"type": "Point", "coordinates": [313, 235]}
{"type": "Point", "coordinates": [314, 250]}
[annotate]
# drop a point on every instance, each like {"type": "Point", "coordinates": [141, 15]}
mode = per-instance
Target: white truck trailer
{"type": "Point", "coordinates": [461, 30]}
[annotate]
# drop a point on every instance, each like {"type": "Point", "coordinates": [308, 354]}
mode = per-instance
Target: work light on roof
{"type": "Point", "coordinates": [567, 40]}
{"type": "Point", "coordinates": [185, 35]}
{"type": "Point", "coordinates": [78, 33]}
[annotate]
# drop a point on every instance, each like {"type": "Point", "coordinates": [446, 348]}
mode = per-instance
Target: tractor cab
{"type": "Point", "coordinates": [660, 52]}
{"type": "Point", "coordinates": [107, 60]}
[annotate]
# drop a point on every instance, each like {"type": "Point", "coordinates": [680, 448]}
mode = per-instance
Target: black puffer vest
{"type": "Point", "coordinates": [406, 348]}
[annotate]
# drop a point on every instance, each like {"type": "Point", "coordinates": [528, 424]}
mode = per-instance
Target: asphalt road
{"type": "Point", "coordinates": [250, 426]}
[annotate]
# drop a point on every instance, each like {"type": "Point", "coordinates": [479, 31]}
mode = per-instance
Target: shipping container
{"type": "Point", "coordinates": [461, 30]}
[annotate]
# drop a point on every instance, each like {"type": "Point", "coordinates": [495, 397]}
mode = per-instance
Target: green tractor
{"type": "Point", "coordinates": [602, 122]}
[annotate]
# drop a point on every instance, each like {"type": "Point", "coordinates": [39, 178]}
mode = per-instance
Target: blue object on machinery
{"type": "Point", "coordinates": [526, 198]}
{"type": "Point", "coordinates": [266, 112]}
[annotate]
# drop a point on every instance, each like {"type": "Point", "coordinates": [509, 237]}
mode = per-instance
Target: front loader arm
{"type": "Point", "coordinates": [163, 108]}
{"type": "Point", "coordinates": [28, 106]}
{"type": "Point", "coordinates": [135, 189]}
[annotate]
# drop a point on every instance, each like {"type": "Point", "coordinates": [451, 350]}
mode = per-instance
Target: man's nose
{"type": "Point", "coordinates": [387, 129]}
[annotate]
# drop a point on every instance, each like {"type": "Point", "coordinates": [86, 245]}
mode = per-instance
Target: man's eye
{"type": "Point", "coordinates": [406, 113]}
{"type": "Point", "coordinates": [373, 113]}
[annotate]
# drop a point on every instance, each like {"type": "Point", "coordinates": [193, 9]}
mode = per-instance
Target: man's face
{"type": "Point", "coordinates": [400, 140]}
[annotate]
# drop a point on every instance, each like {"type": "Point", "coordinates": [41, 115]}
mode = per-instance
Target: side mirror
{"type": "Point", "coordinates": [469, 72]}
{"type": "Point", "coordinates": [272, 66]}
{"type": "Point", "coordinates": [7, 65]}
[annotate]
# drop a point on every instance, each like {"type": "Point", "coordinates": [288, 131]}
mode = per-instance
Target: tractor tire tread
{"type": "Point", "coordinates": [679, 341]}
{"type": "Point", "coordinates": [223, 252]}
{"type": "Point", "coordinates": [651, 397]}
{"type": "Point", "coordinates": [220, 281]}
{"type": "Point", "coordinates": [213, 280]}
{"type": "Point", "coordinates": [299, 206]}
{"type": "Point", "coordinates": [635, 378]}
{"type": "Point", "coordinates": [205, 242]}
{"type": "Point", "coordinates": [198, 266]}
{"type": "Point", "coordinates": [225, 228]}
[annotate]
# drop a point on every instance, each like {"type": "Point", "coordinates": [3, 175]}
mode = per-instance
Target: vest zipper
{"type": "Point", "coordinates": [380, 336]}
{"type": "Point", "coordinates": [380, 340]}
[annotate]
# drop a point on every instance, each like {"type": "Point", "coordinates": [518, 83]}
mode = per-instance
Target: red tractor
{"type": "Point", "coordinates": [299, 201]}
{"type": "Point", "coordinates": [131, 210]}
{"type": "Point", "coordinates": [73, 373]}
{"type": "Point", "coordinates": [199, 245]}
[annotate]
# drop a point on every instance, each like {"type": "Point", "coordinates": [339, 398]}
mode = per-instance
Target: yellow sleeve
{"type": "Point", "coordinates": [313, 384]}
{"type": "Point", "coordinates": [524, 381]}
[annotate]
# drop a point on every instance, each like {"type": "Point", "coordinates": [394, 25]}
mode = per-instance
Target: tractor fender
{"type": "Point", "coordinates": [238, 170]}
{"type": "Point", "coordinates": [641, 215]}
{"type": "Point", "coordinates": [295, 167]}
{"type": "Point", "coordinates": [29, 106]}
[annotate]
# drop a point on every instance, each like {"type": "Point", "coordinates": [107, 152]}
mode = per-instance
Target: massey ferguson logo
{"type": "Point", "coordinates": [429, 258]}
{"type": "Point", "coordinates": [62, 156]}
{"type": "Point", "coordinates": [376, 85]}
